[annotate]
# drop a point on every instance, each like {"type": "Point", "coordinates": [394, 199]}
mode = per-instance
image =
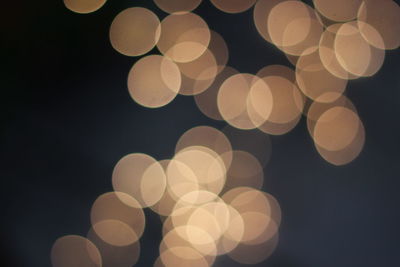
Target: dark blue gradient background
{"type": "Point", "coordinates": [67, 118]}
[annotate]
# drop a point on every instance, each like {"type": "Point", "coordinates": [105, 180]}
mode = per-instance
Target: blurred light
{"type": "Point", "coordinates": [84, 6]}
{"type": "Point", "coordinates": [177, 6]}
{"type": "Point", "coordinates": [208, 194]}
{"type": "Point", "coordinates": [254, 142]}
{"type": "Point", "coordinates": [167, 202]}
{"type": "Point", "coordinates": [317, 108]}
{"type": "Point", "coordinates": [117, 206]}
{"type": "Point", "coordinates": [253, 254]}
{"type": "Point", "coordinates": [346, 155]}
{"type": "Point", "coordinates": [135, 31]}
{"type": "Point", "coordinates": [262, 10]}
{"type": "Point", "coordinates": [207, 100]}
{"type": "Point", "coordinates": [220, 50]}
{"type": "Point", "coordinates": [315, 81]}
{"type": "Point", "coordinates": [115, 232]}
{"type": "Point", "coordinates": [141, 177]}
{"type": "Point", "coordinates": [336, 128]}
{"type": "Point", "coordinates": [154, 81]}
{"type": "Point", "coordinates": [328, 55]}
{"type": "Point", "coordinates": [233, 100]}
{"type": "Point", "coordinates": [259, 102]}
{"type": "Point", "coordinates": [201, 70]}
{"type": "Point", "coordinates": [233, 234]}
{"type": "Point", "coordinates": [184, 37]}
{"type": "Point", "coordinates": [207, 137]}
{"type": "Point", "coordinates": [352, 51]}
{"type": "Point", "coordinates": [245, 170]}
{"type": "Point", "coordinates": [183, 236]}
{"type": "Point", "coordinates": [384, 16]}
{"type": "Point", "coordinates": [183, 257]}
{"type": "Point", "coordinates": [338, 10]}
{"type": "Point", "coordinates": [287, 100]}
{"type": "Point", "coordinates": [112, 256]}
{"type": "Point", "coordinates": [181, 179]}
{"type": "Point", "coordinates": [73, 250]}
{"type": "Point", "coordinates": [233, 6]}
{"type": "Point", "coordinates": [294, 27]}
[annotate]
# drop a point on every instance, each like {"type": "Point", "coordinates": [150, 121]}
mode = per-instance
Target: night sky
{"type": "Point", "coordinates": [67, 118]}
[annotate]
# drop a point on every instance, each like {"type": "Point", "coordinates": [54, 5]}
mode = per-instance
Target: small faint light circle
{"type": "Point", "coordinates": [207, 100]}
{"type": "Point", "coordinates": [254, 142]}
{"type": "Point", "coordinates": [253, 254]}
{"type": "Point", "coordinates": [245, 170]}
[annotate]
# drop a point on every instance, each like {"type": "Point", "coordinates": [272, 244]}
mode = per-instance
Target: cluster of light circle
{"type": "Point", "coordinates": [329, 44]}
{"type": "Point", "coordinates": [207, 195]}
{"type": "Point", "coordinates": [211, 204]}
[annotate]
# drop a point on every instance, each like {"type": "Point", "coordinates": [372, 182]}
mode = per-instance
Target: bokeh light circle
{"type": "Point", "coordinates": [184, 37]}
{"type": "Point", "coordinates": [84, 6]}
{"type": "Point", "coordinates": [141, 177]}
{"type": "Point", "coordinates": [336, 128]}
{"type": "Point", "coordinates": [117, 206]}
{"type": "Point", "coordinates": [135, 31]}
{"type": "Point", "coordinates": [233, 6]}
{"type": "Point", "coordinates": [177, 6]}
{"type": "Point", "coordinates": [73, 250]}
{"type": "Point", "coordinates": [154, 81]}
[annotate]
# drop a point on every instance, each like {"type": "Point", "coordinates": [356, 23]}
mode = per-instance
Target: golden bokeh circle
{"type": "Point", "coordinates": [135, 31]}
{"type": "Point", "coordinates": [384, 16]}
{"type": "Point", "coordinates": [117, 206]}
{"type": "Point", "coordinates": [84, 6]}
{"type": "Point", "coordinates": [177, 6]}
{"type": "Point", "coordinates": [154, 81]}
{"type": "Point", "coordinates": [73, 250]}
{"type": "Point", "coordinates": [338, 10]}
{"type": "Point", "coordinates": [140, 176]}
{"type": "Point", "coordinates": [233, 6]}
{"type": "Point", "coordinates": [184, 37]}
{"type": "Point", "coordinates": [336, 128]}
{"type": "Point", "coordinates": [121, 256]}
{"type": "Point", "coordinates": [315, 81]}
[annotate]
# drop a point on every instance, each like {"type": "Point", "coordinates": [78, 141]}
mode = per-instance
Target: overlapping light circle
{"type": "Point", "coordinates": [328, 45]}
{"type": "Point", "coordinates": [208, 193]}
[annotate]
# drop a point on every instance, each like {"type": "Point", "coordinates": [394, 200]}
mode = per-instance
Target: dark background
{"type": "Point", "coordinates": [67, 118]}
